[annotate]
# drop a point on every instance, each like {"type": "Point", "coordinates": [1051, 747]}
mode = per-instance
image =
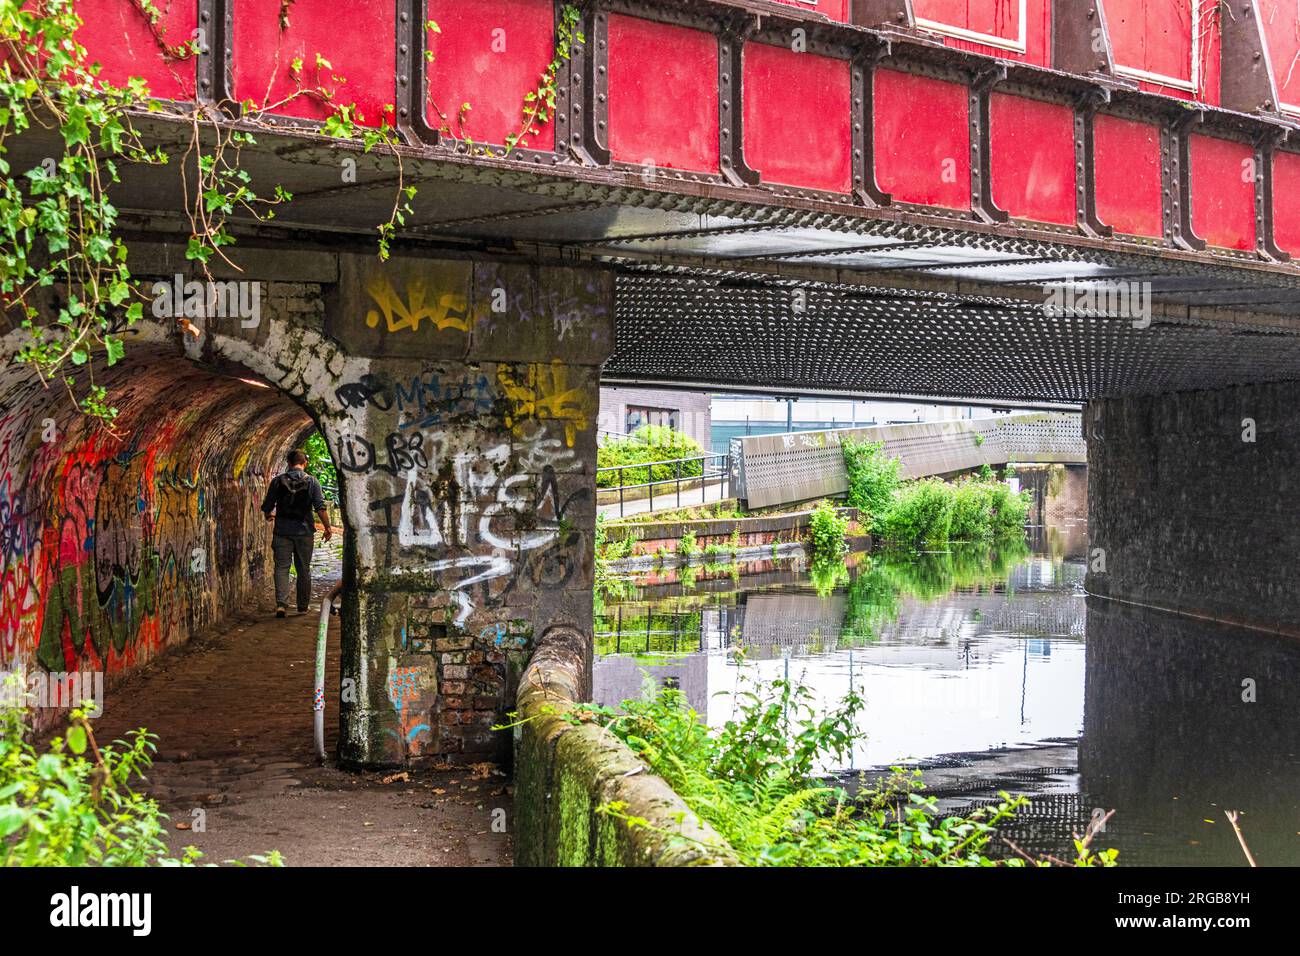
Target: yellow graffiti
{"type": "Point", "coordinates": [545, 394]}
{"type": "Point", "coordinates": [450, 310]}
{"type": "Point", "coordinates": [241, 461]}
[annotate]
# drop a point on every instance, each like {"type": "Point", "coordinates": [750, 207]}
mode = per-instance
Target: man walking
{"type": "Point", "coordinates": [290, 500]}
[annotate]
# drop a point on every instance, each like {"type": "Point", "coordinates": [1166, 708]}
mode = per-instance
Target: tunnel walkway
{"type": "Point", "coordinates": [232, 711]}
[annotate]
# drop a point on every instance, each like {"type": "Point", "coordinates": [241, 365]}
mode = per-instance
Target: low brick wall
{"type": "Point", "coordinates": [758, 531]}
{"type": "Point", "coordinates": [565, 771]}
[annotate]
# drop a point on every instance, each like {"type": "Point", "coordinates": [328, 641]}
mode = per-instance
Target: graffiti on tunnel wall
{"type": "Point", "coordinates": [116, 544]}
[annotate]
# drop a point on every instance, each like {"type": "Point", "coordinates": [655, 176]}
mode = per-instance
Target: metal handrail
{"type": "Point", "coordinates": [666, 461]}
{"type": "Point", "coordinates": [723, 473]}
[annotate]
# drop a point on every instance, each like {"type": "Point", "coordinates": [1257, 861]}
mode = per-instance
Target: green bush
{"type": "Point", "coordinates": [648, 443]}
{"type": "Point", "coordinates": [319, 463]}
{"type": "Point", "coordinates": [933, 513]}
{"type": "Point", "coordinates": [873, 478]}
{"type": "Point", "coordinates": [972, 508]}
{"type": "Point", "coordinates": [920, 514]}
{"type": "Point", "coordinates": [1009, 511]}
{"type": "Point", "coordinates": [828, 530]}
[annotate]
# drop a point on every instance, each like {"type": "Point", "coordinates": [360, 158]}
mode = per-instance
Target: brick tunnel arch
{"type": "Point", "coordinates": [117, 545]}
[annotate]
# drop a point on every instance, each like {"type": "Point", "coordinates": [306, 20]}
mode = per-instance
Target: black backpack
{"type": "Point", "coordinates": [295, 495]}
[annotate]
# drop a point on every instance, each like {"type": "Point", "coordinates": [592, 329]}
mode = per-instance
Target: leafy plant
{"type": "Point", "coordinates": [828, 530]}
{"type": "Point", "coordinates": [320, 464]}
{"type": "Point", "coordinates": [920, 514]}
{"type": "Point", "coordinates": [754, 780]}
{"type": "Point", "coordinates": [687, 546]}
{"type": "Point", "coordinates": [972, 509]}
{"type": "Point", "coordinates": [74, 805]}
{"type": "Point", "coordinates": [539, 103]}
{"type": "Point", "coordinates": [873, 477]}
{"type": "Point", "coordinates": [62, 268]}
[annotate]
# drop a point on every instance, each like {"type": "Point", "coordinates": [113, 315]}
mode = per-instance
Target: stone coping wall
{"type": "Point", "coordinates": [565, 771]}
{"type": "Point", "coordinates": [794, 521]}
{"type": "Point", "coordinates": [757, 533]}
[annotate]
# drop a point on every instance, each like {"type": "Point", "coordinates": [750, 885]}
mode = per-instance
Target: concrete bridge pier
{"type": "Point", "coordinates": [464, 432]}
{"type": "Point", "coordinates": [1191, 503]}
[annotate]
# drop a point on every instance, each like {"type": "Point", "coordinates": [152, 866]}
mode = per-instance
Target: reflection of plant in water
{"type": "Point", "coordinates": [615, 590]}
{"type": "Point", "coordinates": [826, 576]}
{"type": "Point", "coordinates": [642, 632]}
{"type": "Point", "coordinates": [874, 592]}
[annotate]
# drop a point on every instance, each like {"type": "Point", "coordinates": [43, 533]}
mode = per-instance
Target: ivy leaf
{"type": "Point", "coordinates": [77, 739]}
{"type": "Point", "coordinates": [74, 129]}
{"type": "Point", "coordinates": [197, 250]}
{"type": "Point", "coordinates": [114, 348]}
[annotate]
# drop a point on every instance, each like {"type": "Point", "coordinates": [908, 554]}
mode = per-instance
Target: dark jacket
{"type": "Point", "coordinates": [294, 497]}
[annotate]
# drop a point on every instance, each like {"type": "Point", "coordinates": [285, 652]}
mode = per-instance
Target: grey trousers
{"type": "Point", "coordinates": [296, 550]}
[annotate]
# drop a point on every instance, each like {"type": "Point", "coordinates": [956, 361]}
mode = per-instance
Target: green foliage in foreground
{"type": "Point", "coordinates": [648, 443]}
{"type": "Point", "coordinates": [74, 805]}
{"type": "Point", "coordinates": [753, 781]}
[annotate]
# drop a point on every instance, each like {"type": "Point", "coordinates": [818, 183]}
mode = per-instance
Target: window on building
{"type": "Point", "coordinates": [638, 415]}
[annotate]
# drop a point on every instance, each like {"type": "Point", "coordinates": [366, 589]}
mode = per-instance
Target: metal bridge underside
{"type": "Point", "coordinates": [788, 299]}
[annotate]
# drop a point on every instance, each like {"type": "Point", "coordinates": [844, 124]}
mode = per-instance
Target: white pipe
{"type": "Point", "coordinates": [318, 697]}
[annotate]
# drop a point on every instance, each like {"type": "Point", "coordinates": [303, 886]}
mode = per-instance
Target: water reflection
{"type": "Point", "coordinates": [994, 671]}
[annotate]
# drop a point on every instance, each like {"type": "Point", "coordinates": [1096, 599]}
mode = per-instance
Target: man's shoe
{"type": "Point", "coordinates": [280, 610]}
{"type": "Point", "coordinates": [303, 610]}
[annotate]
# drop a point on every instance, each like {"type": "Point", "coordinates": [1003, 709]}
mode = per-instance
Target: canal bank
{"type": "Point", "coordinates": [994, 671]}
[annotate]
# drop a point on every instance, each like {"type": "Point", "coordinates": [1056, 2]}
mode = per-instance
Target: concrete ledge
{"type": "Point", "coordinates": [564, 771]}
{"type": "Point", "coordinates": [795, 522]}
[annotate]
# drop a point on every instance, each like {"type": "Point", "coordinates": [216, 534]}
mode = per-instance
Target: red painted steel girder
{"type": "Point", "coordinates": [1160, 125]}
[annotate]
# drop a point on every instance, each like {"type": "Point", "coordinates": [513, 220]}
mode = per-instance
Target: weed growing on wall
{"type": "Point", "coordinates": [873, 476]}
{"type": "Point", "coordinates": [57, 226]}
{"type": "Point", "coordinates": [828, 531]}
{"type": "Point", "coordinates": [63, 265]}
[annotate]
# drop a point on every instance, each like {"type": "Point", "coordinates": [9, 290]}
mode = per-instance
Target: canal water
{"type": "Point", "coordinates": [993, 670]}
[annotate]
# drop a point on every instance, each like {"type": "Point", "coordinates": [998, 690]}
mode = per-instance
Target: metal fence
{"type": "Point", "coordinates": [715, 470]}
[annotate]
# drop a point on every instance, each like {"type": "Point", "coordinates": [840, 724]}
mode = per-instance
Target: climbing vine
{"type": "Point", "coordinates": [57, 224]}
{"type": "Point", "coordinates": [538, 106]}
{"type": "Point", "coordinates": [63, 268]}
{"type": "Point", "coordinates": [539, 103]}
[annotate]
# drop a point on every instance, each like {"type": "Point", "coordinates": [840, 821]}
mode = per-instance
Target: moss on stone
{"type": "Point", "coordinates": [564, 772]}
